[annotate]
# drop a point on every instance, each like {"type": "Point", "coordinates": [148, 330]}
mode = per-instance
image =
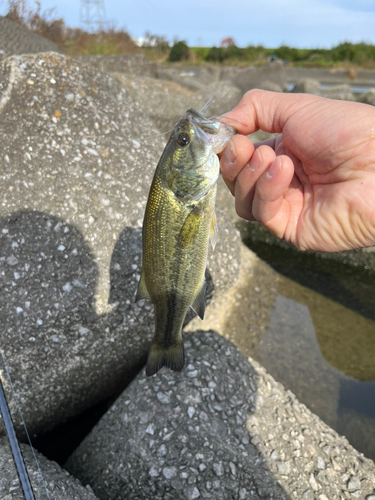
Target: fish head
{"type": "Point", "coordinates": [191, 163]}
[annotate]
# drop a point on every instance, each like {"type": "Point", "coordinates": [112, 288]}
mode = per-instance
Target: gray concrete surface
{"type": "Point", "coordinates": [70, 251]}
{"type": "Point", "coordinates": [164, 101]}
{"type": "Point", "coordinates": [60, 485]}
{"type": "Point", "coordinates": [221, 429]}
{"type": "Point", "coordinates": [307, 86]}
{"type": "Point", "coordinates": [341, 92]}
{"type": "Point", "coordinates": [363, 258]}
{"type": "Point", "coordinates": [15, 39]}
{"type": "Point", "coordinates": [331, 76]}
{"type": "Point", "coordinates": [368, 97]}
{"type": "Point", "coordinates": [194, 78]}
{"type": "Point", "coordinates": [131, 64]}
{"type": "Point", "coordinates": [75, 176]}
{"type": "Point", "coordinates": [256, 77]}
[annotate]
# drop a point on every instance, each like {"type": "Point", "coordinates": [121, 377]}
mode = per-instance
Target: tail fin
{"type": "Point", "coordinates": [173, 357]}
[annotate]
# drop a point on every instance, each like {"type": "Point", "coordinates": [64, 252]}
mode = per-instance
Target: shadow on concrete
{"type": "Point", "coordinates": [48, 277]}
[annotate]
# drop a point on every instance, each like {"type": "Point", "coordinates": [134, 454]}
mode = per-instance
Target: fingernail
{"type": "Point", "coordinates": [255, 161]}
{"type": "Point", "coordinates": [230, 153]}
{"type": "Point", "coordinates": [275, 168]}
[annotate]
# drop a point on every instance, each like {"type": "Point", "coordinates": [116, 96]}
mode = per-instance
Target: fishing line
{"type": "Point", "coordinates": [16, 452]}
{"type": "Point", "coordinates": [206, 106]}
{"type": "Point", "coordinates": [227, 120]}
{"type": "Point", "coordinates": [157, 135]}
{"type": "Point", "coordinates": [17, 455]}
{"type": "Point", "coordinates": [222, 118]}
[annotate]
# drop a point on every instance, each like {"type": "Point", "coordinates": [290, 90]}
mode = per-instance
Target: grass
{"type": "Point", "coordinates": [104, 43]}
{"type": "Point", "coordinates": [73, 41]}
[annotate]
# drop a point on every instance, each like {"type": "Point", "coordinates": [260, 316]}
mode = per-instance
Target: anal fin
{"type": "Point", "coordinates": [142, 292]}
{"type": "Point", "coordinates": [199, 304]}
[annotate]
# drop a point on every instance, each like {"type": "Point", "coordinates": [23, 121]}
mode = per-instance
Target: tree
{"type": "Point", "coordinates": [160, 43]}
{"type": "Point", "coordinates": [179, 52]}
{"type": "Point", "coordinates": [227, 42]}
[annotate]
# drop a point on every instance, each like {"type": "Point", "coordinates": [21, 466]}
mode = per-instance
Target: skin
{"type": "Point", "coordinates": [314, 184]}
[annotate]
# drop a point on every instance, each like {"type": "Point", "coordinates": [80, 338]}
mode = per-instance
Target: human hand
{"type": "Point", "coordinates": [313, 185]}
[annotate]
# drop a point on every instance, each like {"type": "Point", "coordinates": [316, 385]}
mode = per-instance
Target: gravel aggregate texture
{"type": "Point", "coordinates": [133, 64]}
{"type": "Point", "coordinates": [75, 175]}
{"type": "Point", "coordinates": [194, 78]}
{"type": "Point", "coordinates": [164, 101]}
{"type": "Point", "coordinates": [75, 170]}
{"type": "Point", "coordinates": [340, 92]}
{"type": "Point", "coordinates": [16, 39]}
{"type": "Point", "coordinates": [307, 86]}
{"type": "Point", "coordinates": [255, 77]}
{"type": "Point", "coordinates": [368, 97]}
{"type": "Point", "coordinates": [60, 485]}
{"type": "Point", "coordinates": [225, 96]}
{"type": "Point", "coordinates": [223, 428]}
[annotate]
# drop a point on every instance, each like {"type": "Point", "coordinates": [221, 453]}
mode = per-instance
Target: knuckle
{"type": "Point", "coordinates": [267, 153]}
{"type": "Point", "coordinates": [229, 175]}
{"type": "Point", "coordinates": [254, 94]}
{"type": "Point", "coordinates": [243, 211]}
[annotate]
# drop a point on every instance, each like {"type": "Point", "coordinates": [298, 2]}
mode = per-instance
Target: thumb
{"type": "Point", "coordinates": [268, 111]}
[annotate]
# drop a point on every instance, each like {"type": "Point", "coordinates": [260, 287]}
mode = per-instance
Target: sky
{"type": "Point", "coordinates": [297, 23]}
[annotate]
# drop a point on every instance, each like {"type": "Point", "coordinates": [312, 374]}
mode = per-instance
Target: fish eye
{"type": "Point", "coordinates": [183, 140]}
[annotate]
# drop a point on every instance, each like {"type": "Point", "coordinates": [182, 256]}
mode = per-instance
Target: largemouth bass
{"type": "Point", "coordinates": [178, 224]}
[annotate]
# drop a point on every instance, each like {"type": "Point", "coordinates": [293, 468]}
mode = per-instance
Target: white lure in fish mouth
{"type": "Point", "coordinates": [212, 129]}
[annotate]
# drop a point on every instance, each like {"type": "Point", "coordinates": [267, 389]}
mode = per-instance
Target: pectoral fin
{"type": "Point", "coordinates": [142, 292]}
{"type": "Point", "coordinates": [190, 228]}
{"type": "Point", "coordinates": [199, 304]}
{"type": "Point", "coordinates": [213, 232]}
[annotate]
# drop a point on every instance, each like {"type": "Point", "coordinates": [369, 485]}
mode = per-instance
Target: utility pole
{"type": "Point", "coordinates": [92, 15]}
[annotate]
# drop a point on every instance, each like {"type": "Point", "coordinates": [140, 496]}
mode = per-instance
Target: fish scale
{"type": "Point", "coordinates": [178, 224]}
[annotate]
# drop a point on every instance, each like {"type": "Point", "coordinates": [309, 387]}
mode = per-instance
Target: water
{"type": "Point", "coordinates": [320, 339]}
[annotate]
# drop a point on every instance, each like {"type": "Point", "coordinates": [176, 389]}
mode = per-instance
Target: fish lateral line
{"type": "Point", "coordinates": [179, 224]}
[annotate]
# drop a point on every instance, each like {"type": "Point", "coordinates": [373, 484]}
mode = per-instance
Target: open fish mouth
{"type": "Point", "coordinates": [214, 129]}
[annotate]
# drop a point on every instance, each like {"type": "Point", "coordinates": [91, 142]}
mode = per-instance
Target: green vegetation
{"type": "Point", "coordinates": [360, 54]}
{"type": "Point", "coordinates": [155, 47]}
{"type": "Point", "coordinates": [179, 52]}
{"type": "Point", "coordinates": [234, 54]}
{"type": "Point", "coordinates": [75, 41]}
{"type": "Point", "coordinates": [109, 42]}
